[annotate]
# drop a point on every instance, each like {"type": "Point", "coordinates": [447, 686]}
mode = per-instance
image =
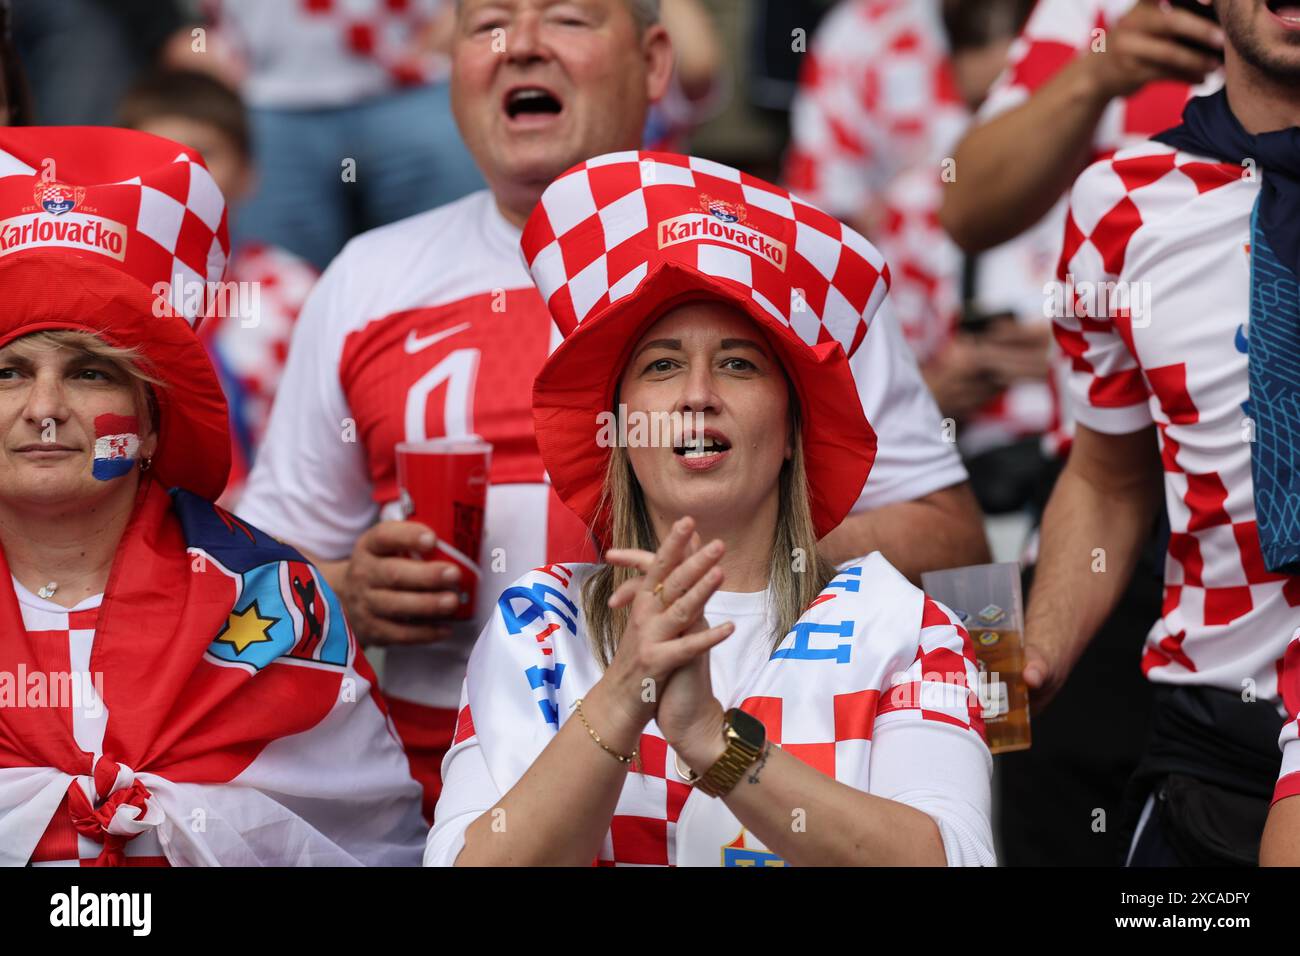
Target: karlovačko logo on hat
{"type": "Point", "coordinates": [82, 230]}
{"type": "Point", "coordinates": [726, 225]}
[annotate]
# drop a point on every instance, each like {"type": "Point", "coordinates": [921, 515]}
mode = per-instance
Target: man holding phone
{"type": "Point", "coordinates": [1190, 413]}
{"type": "Point", "coordinates": [1086, 77]}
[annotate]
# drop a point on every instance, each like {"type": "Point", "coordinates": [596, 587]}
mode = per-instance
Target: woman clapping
{"type": "Point", "coordinates": [714, 693]}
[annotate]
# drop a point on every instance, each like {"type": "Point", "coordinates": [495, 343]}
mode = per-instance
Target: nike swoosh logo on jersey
{"type": "Point", "coordinates": [416, 344]}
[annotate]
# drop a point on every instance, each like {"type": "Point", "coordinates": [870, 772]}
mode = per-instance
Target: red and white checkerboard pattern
{"type": "Point", "coordinates": [643, 830]}
{"type": "Point", "coordinates": [924, 264]}
{"type": "Point", "coordinates": [942, 682]}
{"type": "Point", "coordinates": [876, 97]}
{"type": "Point", "coordinates": [174, 214]}
{"type": "Point", "coordinates": [594, 239]}
{"type": "Point", "coordinates": [1177, 227]}
{"type": "Point", "coordinates": [255, 347]}
{"type": "Point", "coordinates": [386, 31]}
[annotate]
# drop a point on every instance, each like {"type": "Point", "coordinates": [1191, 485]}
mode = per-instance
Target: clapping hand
{"type": "Point", "coordinates": [667, 639]}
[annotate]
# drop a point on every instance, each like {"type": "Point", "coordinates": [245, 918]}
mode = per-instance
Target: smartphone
{"type": "Point", "coordinates": [976, 322]}
{"type": "Point", "coordinates": [1205, 13]}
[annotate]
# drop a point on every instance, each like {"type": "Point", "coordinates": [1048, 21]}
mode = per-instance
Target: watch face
{"type": "Point", "coordinates": [748, 728]}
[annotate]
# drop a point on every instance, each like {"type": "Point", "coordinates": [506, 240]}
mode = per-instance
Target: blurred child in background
{"type": "Point", "coordinates": [249, 345]}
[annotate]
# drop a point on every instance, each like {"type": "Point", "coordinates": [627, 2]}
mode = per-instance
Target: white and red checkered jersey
{"type": "Point", "coordinates": [876, 96]}
{"type": "Point", "coordinates": [264, 815]}
{"type": "Point", "coordinates": [303, 54]}
{"type": "Point", "coordinates": [1288, 779]}
{"type": "Point", "coordinates": [250, 344]}
{"type": "Point", "coordinates": [432, 327]}
{"type": "Point", "coordinates": [873, 687]}
{"type": "Point", "coordinates": [1057, 32]}
{"type": "Point", "coordinates": [1157, 253]}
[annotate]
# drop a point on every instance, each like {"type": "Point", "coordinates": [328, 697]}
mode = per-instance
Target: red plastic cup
{"type": "Point", "coordinates": [443, 483]}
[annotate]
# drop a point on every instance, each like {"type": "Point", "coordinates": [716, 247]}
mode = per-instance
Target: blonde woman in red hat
{"type": "Point", "coordinates": [715, 694]}
{"type": "Point", "coordinates": [176, 687]}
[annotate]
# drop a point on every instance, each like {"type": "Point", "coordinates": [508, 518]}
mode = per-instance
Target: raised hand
{"type": "Point", "coordinates": [1150, 43]}
{"type": "Point", "coordinates": [665, 628]}
{"type": "Point", "coordinates": [689, 714]}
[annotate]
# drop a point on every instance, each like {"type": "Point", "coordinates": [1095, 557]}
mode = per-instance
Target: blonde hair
{"type": "Point", "coordinates": [795, 541]}
{"type": "Point", "coordinates": [130, 361]}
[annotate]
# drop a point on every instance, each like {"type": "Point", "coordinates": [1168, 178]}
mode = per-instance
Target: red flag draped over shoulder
{"type": "Point", "coordinates": [225, 659]}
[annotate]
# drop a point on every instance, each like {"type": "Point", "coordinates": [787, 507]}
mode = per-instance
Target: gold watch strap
{"type": "Point", "coordinates": [720, 779]}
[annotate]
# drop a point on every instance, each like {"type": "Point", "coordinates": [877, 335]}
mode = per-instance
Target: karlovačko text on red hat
{"type": "Point", "coordinates": [92, 220]}
{"type": "Point", "coordinates": [621, 239]}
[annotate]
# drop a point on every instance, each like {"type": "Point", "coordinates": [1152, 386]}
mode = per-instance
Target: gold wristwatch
{"type": "Point", "coordinates": [746, 737]}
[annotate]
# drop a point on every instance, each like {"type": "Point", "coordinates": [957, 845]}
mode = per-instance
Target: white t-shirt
{"type": "Point", "coordinates": [1157, 243]}
{"type": "Point", "coordinates": [432, 327]}
{"type": "Point", "coordinates": [873, 687]}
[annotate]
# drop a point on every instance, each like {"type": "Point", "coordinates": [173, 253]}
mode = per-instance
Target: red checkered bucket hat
{"type": "Point", "coordinates": [618, 241]}
{"type": "Point", "coordinates": [92, 221]}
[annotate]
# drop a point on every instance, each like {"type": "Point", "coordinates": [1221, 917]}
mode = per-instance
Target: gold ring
{"type": "Point", "coordinates": [659, 593]}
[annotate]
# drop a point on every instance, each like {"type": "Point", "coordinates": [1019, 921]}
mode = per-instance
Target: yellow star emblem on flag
{"type": "Point", "coordinates": [245, 628]}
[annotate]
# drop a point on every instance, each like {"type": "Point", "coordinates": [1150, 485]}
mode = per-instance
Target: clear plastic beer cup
{"type": "Point", "coordinates": [987, 598]}
{"type": "Point", "coordinates": [443, 483]}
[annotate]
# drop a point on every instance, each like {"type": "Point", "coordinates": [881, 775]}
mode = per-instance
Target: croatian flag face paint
{"type": "Point", "coordinates": [117, 443]}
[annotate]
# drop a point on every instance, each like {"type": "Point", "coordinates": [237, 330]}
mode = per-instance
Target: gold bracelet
{"type": "Point", "coordinates": [632, 761]}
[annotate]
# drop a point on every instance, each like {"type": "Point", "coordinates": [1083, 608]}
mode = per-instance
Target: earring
{"type": "Point", "coordinates": [146, 464]}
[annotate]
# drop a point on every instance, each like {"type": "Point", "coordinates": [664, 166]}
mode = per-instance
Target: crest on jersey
{"type": "Point", "coordinates": [58, 198]}
{"type": "Point", "coordinates": [742, 852]}
{"type": "Point", "coordinates": [726, 211]}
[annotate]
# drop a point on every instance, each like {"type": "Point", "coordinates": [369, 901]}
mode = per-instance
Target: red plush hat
{"type": "Point", "coordinates": [91, 221]}
{"type": "Point", "coordinates": [619, 240]}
